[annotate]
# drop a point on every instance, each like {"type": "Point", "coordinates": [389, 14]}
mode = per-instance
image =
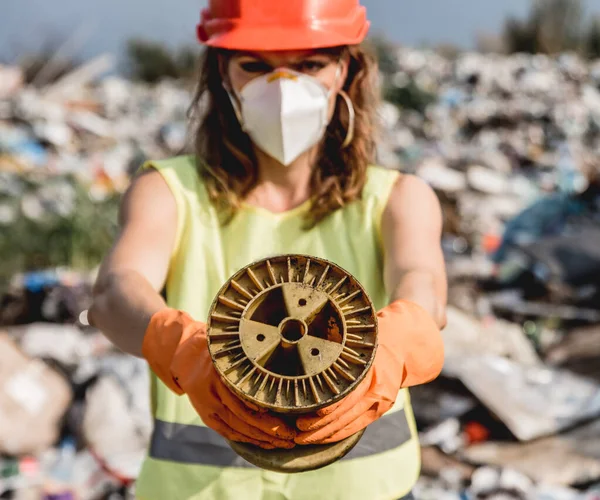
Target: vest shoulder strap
{"type": "Point", "coordinates": [377, 191]}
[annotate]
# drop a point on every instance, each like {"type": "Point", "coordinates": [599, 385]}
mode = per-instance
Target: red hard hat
{"type": "Point", "coordinates": [282, 24]}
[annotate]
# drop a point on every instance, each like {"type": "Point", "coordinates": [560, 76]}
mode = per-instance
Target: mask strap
{"type": "Point", "coordinates": [235, 105]}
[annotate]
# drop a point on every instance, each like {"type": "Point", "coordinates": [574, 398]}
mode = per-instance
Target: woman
{"type": "Point", "coordinates": [287, 102]}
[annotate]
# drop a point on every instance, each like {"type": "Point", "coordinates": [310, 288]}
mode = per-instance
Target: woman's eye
{"type": "Point", "coordinates": [255, 67]}
{"type": "Point", "coordinates": [311, 66]}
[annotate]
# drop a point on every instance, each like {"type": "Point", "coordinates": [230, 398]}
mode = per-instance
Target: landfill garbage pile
{"type": "Point", "coordinates": [67, 153]}
{"type": "Point", "coordinates": [508, 143]}
{"type": "Point", "coordinates": [74, 413]}
{"type": "Point", "coordinates": [500, 132]}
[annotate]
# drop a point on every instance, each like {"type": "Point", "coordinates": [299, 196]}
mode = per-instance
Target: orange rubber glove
{"type": "Point", "coordinates": [176, 348]}
{"type": "Point", "coordinates": [410, 352]}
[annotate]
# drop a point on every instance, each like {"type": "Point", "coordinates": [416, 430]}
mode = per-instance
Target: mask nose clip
{"type": "Point", "coordinates": [280, 74]}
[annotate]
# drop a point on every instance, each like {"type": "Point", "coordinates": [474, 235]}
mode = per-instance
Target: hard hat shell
{"type": "Point", "coordinates": [282, 24]}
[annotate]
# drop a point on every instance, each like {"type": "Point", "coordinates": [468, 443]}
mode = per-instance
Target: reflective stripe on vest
{"type": "Point", "coordinates": [192, 444]}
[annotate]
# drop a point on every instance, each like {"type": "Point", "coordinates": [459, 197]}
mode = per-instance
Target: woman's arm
{"type": "Point", "coordinates": [410, 348]}
{"type": "Point", "coordinates": [414, 263]}
{"type": "Point", "coordinates": [126, 293]}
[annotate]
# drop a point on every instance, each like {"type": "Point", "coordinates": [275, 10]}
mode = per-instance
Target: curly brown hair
{"type": "Point", "coordinates": [225, 156]}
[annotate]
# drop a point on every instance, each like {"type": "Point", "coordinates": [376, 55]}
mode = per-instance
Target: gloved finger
{"type": "Point", "coordinates": [373, 413]}
{"type": "Point", "coordinates": [348, 404]}
{"type": "Point", "coordinates": [246, 429]}
{"type": "Point", "coordinates": [349, 400]}
{"type": "Point", "coordinates": [320, 434]}
{"type": "Point", "coordinates": [254, 407]}
{"type": "Point", "coordinates": [216, 424]}
{"type": "Point", "coordinates": [359, 424]}
{"type": "Point", "coordinates": [234, 422]}
{"type": "Point", "coordinates": [268, 424]}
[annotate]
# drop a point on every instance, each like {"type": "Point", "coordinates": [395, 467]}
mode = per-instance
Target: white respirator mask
{"type": "Point", "coordinates": [285, 112]}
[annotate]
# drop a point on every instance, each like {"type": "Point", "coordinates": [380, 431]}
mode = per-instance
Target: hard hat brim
{"type": "Point", "coordinates": [276, 38]}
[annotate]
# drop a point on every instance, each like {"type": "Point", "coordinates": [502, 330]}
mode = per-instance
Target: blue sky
{"type": "Point", "coordinates": [104, 25]}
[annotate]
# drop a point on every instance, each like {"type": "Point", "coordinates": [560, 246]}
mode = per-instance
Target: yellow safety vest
{"type": "Point", "coordinates": [188, 460]}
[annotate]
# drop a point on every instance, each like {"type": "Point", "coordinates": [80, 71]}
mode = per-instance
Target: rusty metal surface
{"type": "Point", "coordinates": [292, 333]}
